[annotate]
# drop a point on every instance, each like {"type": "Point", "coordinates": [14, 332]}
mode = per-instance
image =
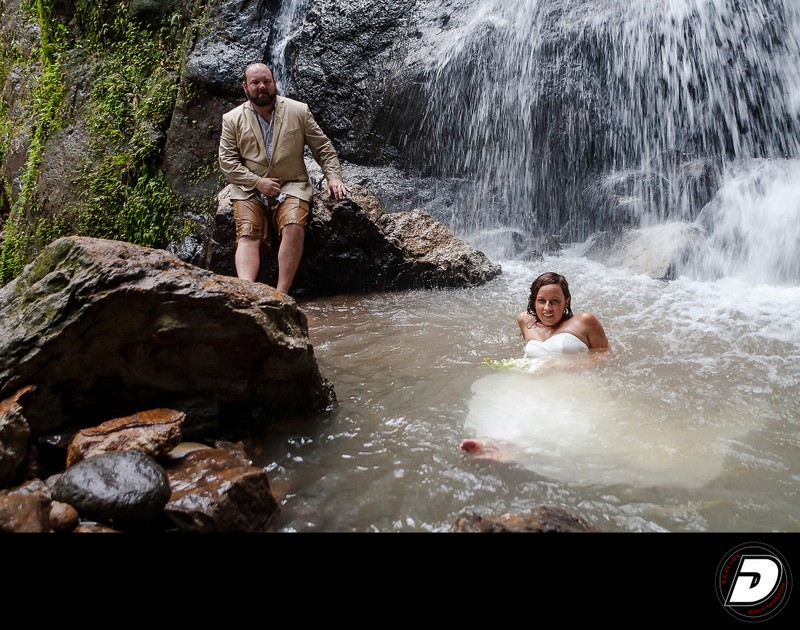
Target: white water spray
{"type": "Point", "coordinates": [570, 117]}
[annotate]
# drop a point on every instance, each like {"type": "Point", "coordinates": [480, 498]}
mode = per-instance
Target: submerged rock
{"type": "Point", "coordinates": [541, 520]}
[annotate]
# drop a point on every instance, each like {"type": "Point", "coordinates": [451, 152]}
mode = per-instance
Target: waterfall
{"type": "Point", "coordinates": [569, 117]}
{"type": "Point", "coordinates": [288, 24]}
{"type": "Point", "coordinates": [753, 226]}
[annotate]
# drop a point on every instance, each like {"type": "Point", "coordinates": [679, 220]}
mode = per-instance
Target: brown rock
{"type": "Point", "coordinates": [14, 436]}
{"type": "Point", "coordinates": [155, 432]}
{"type": "Point", "coordinates": [111, 326]}
{"type": "Point", "coordinates": [63, 517]}
{"type": "Point", "coordinates": [217, 490]}
{"type": "Point", "coordinates": [540, 519]}
{"type": "Point", "coordinates": [24, 512]}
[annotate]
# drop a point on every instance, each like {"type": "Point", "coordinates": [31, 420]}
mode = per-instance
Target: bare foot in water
{"type": "Point", "coordinates": [486, 450]}
{"type": "Point", "coordinates": [471, 446]}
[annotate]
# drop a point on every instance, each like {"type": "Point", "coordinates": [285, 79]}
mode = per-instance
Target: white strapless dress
{"type": "Point", "coordinates": [560, 343]}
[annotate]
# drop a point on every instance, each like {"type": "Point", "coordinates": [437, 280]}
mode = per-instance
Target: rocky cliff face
{"type": "Point", "coordinates": [356, 63]}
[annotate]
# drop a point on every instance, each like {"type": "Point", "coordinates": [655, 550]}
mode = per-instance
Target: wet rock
{"type": "Point", "coordinates": [91, 527]}
{"type": "Point", "coordinates": [217, 490]}
{"type": "Point", "coordinates": [184, 448]}
{"type": "Point", "coordinates": [109, 328]}
{"type": "Point", "coordinates": [353, 246]}
{"type": "Point", "coordinates": [24, 511]}
{"type": "Point", "coordinates": [14, 436]}
{"type": "Point", "coordinates": [654, 251]}
{"type": "Point", "coordinates": [540, 520]}
{"type": "Point", "coordinates": [124, 489]}
{"type": "Point", "coordinates": [155, 432]}
{"type": "Point", "coordinates": [63, 517]}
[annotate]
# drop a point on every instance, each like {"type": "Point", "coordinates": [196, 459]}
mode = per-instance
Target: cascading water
{"type": "Point", "coordinates": [569, 117]}
{"type": "Point", "coordinates": [288, 23]}
{"type": "Point", "coordinates": [670, 119]}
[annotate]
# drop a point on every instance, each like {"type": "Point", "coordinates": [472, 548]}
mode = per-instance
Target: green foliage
{"type": "Point", "coordinates": [127, 197]}
{"type": "Point", "coordinates": [47, 104]}
{"type": "Point", "coordinates": [142, 211]}
{"type": "Point", "coordinates": [12, 255]}
{"type": "Point", "coordinates": [136, 71]}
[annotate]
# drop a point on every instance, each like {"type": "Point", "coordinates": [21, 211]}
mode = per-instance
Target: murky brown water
{"type": "Point", "coordinates": [690, 426]}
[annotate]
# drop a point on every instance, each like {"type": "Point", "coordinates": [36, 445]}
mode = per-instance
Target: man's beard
{"type": "Point", "coordinates": [262, 100]}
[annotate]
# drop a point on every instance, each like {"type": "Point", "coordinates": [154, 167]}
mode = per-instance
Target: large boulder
{"type": "Point", "coordinates": [353, 246]}
{"type": "Point", "coordinates": [14, 436]}
{"type": "Point", "coordinates": [104, 329]}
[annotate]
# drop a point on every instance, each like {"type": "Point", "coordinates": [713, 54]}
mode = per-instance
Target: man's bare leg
{"type": "Point", "coordinates": [248, 257]}
{"type": "Point", "coordinates": [289, 254]}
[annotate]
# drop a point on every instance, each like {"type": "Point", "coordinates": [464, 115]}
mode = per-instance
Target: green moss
{"type": "Point", "coordinates": [47, 104]}
{"type": "Point", "coordinates": [123, 192]}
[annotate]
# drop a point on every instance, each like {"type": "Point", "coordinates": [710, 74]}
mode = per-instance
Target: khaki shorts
{"type": "Point", "coordinates": [255, 219]}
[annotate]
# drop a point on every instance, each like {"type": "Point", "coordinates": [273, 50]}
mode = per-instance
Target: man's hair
{"type": "Point", "coordinates": [256, 63]}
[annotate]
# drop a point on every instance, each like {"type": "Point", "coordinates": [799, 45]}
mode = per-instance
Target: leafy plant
{"type": "Point", "coordinates": [135, 71]}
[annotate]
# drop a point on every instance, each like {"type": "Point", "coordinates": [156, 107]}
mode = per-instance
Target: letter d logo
{"type": "Point", "coordinates": [753, 582]}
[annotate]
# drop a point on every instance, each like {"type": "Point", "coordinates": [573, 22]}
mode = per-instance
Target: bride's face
{"type": "Point", "coordinates": [550, 304]}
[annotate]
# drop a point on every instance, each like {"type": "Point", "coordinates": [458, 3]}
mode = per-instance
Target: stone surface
{"type": "Point", "coordinates": [540, 520]}
{"type": "Point", "coordinates": [14, 437]}
{"type": "Point", "coordinates": [24, 511]}
{"type": "Point", "coordinates": [353, 246]}
{"type": "Point", "coordinates": [218, 490]}
{"type": "Point", "coordinates": [107, 328]}
{"type": "Point", "coordinates": [653, 251]}
{"type": "Point", "coordinates": [123, 489]}
{"type": "Point", "coordinates": [63, 517]}
{"type": "Point", "coordinates": [154, 432]}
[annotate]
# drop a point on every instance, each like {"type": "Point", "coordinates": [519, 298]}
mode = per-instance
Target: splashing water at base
{"type": "Point", "coordinates": [691, 424]}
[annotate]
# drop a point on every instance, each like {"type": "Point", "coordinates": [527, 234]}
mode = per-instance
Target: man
{"type": "Point", "coordinates": [261, 154]}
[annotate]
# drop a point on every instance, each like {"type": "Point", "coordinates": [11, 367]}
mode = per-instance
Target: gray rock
{"type": "Point", "coordinates": [353, 246]}
{"type": "Point", "coordinates": [654, 251]}
{"type": "Point", "coordinates": [115, 328]}
{"type": "Point", "coordinates": [125, 489]}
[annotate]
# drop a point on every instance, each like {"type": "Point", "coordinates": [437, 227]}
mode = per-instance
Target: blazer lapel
{"type": "Point", "coordinates": [255, 128]}
{"type": "Point", "coordinates": [277, 123]}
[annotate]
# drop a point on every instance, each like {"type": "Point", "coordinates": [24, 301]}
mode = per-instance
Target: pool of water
{"type": "Point", "coordinates": [689, 425]}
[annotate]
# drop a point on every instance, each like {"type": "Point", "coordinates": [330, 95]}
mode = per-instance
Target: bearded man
{"type": "Point", "coordinates": [261, 153]}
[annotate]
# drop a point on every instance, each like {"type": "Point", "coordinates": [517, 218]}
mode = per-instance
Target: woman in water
{"type": "Point", "coordinates": [549, 327]}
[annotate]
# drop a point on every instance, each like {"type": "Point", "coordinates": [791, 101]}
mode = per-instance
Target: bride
{"type": "Point", "coordinates": [549, 327]}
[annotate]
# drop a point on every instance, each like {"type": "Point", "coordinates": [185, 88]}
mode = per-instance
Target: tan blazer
{"type": "Point", "coordinates": [243, 157]}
